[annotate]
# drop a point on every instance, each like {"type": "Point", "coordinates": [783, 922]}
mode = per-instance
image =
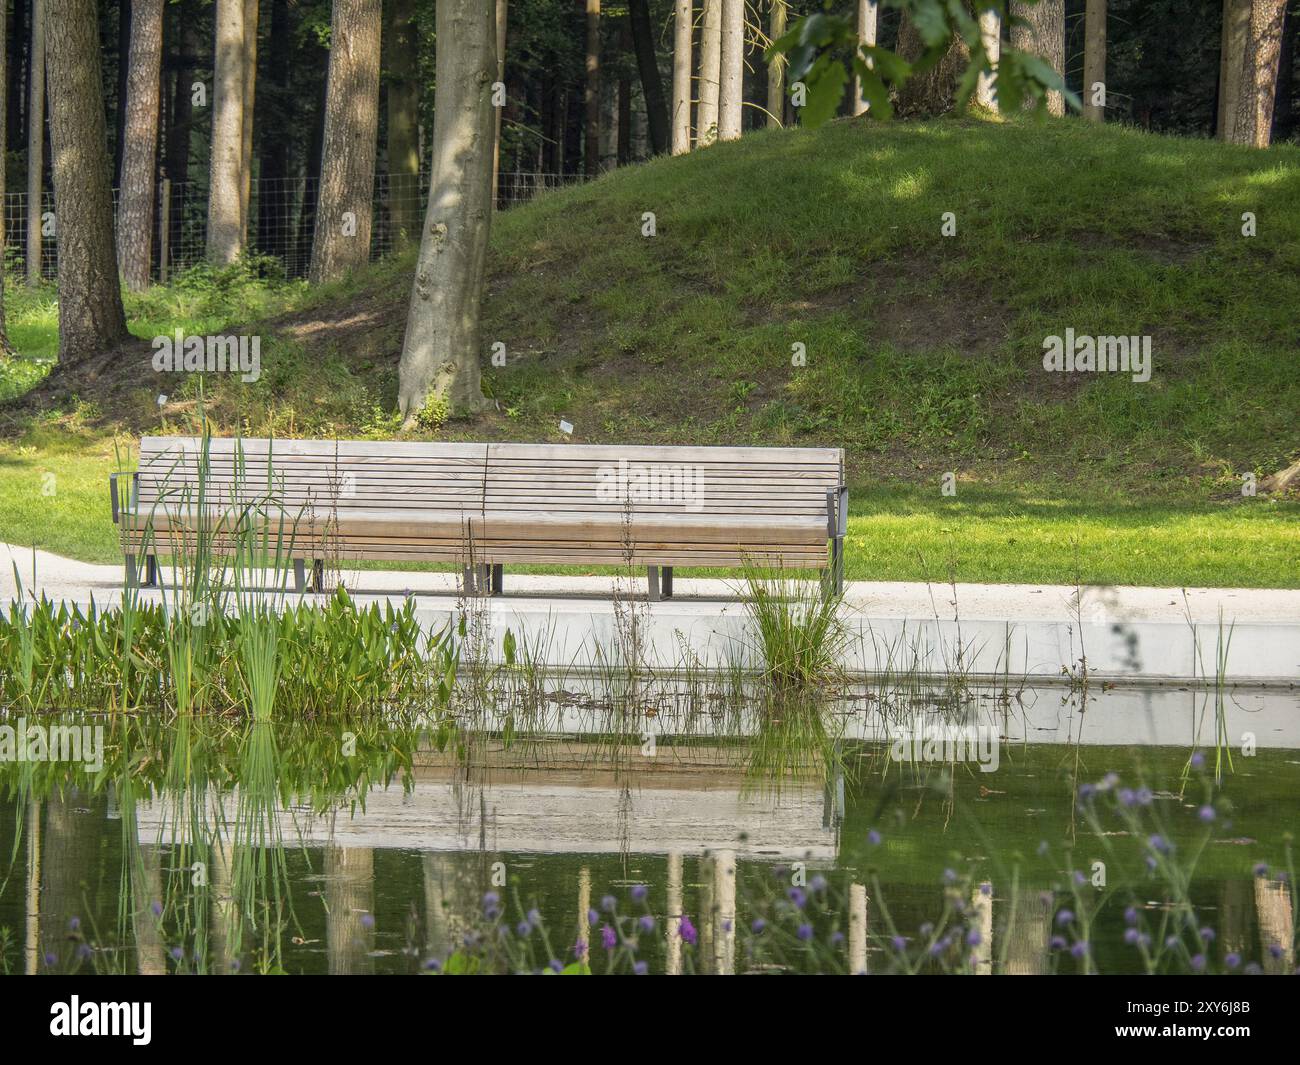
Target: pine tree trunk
{"type": "Point", "coordinates": [91, 318]}
{"type": "Point", "coordinates": [225, 175]}
{"type": "Point", "coordinates": [1232, 54]}
{"type": "Point", "coordinates": [933, 92]}
{"type": "Point", "coordinates": [402, 64]}
{"type": "Point", "coordinates": [135, 208]}
{"type": "Point", "coordinates": [246, 126]}
{"type": "Point", "coordinates": [681, 137]}
{"type": "Point", "coordinates": [1043, 37]}
{"type": "Point", "coordinates": [1258, 80]}
{"type": "Point", "coordinates": [652, 86]}
{"type": "Point", "coordinates": [36, 145]}
{"type": "Point", "coordinates": [1094, 58]}
{"type": "Point", "coordinates": [776, 67]}
{"type": "Point", "coordinates": [591, 94]}
{"type": "Point", "coordinates": [440, 354]}
{"type": "Point", "coordinates": [16, 89]}
{"type": "Point", "coordinates": [868, 15]}
{"type": "Point", "coordinates": [347, 184]}
{"type": "Point", "coordinates": [706, 122]}
{"type": "Point", "coordinates": [502, 17]}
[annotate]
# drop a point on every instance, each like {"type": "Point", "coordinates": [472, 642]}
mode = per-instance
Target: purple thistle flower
{"type": "Point", "coordinates": [646, 923]}
{"type": "Point", "coordinates": [555, 966]}
{"type": "Point", "coordinates": [1206, 814]}
{"type": "Point", "coordinates": [1144, 796]}
{"type": "Point", "coordinates": [973, 938]}
{"type": "Point", "coordinates": [1043, 848]}
{"type": "Point", "coordinates": [986, 890]}
{"type": "Point", "coordinates": [873, 837]}
{"type": "Point", "coordinates": [1171, 942]}
{"type": "Point", "coordinates": [534, 917]}
{"type": "Point", "coordinates": [1079, 949]}
{"type": "Point", "coordinates": [177, 954]}
{"type": "Point", "coordinates": [74, 924]}
{"type": "Point", "coordinates": [523, 929]}
{"type": "Point", "coordinates": [1232, 960]}
{"type": "Point", "coordinates": [609, 904]}
{"type": "Point", "coordinates": [1198, 962]}
{"type": "Point", "coordinates": [1127, 797]}
{"type": "Point", "coordinates": [1131, 936]}
{"type": "Point", "coordinates": [1064, 917]}
{"type": "Point", "coordinates": [640, 968]}
{"type": "Point", "coordinates": [837, 938]}
{"type": "Point", "coordinates": [1275, 950]}
{"type": "Point", "coordinates": [797, 896]}
{"type": "Point", "coordinates": [156, 907]}
{"type": "Point", "coordinates": [1261, 869]}
{"type": "Point", "coordinates": [608, 939]}
{"type": "Point", "coordinates": [926, 929]}
{"type": "Point", "coordinates": [1207, 934]}
{"type": "Point", "coordinates": [1198, 760]}
{"type": "Point", "coordinates": [1057, 943]}
{"type": "Point", "coordinates": [432, 965]}
{"type": "Point", "coordinates": [1160, 844]}
{"type": "Point", "coordinates": [817, 884]}
{"type": "Point", "coordinates": [804, 933]}
{"type": "Point", "coordinates": [51, 958]}
{"type": "Point", "coordinates": [900, 944]}
{"type": "Point", "coordinates": [1131, 915]}
{"type": "Point", "coordinates": [689, 934]}
{"type": "Point", "coordinates": [83, 951]}
{"type": "Point", "coordinates": [367, 920]}
{"type": "Point", "coordinates": [949, 877]}
{"type": "Point", "coordinates": [639, 892]}
{"type": "Point", "coordinates": [758, 926]}
{"type": "Point", "coordinates": [592, 917]}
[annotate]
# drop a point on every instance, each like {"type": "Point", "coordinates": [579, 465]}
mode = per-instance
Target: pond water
{"type": "Point", "coordinates": [683, 837]}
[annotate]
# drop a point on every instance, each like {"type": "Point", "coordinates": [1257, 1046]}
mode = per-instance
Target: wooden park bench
{"type": "Point", "coordinates": [485, 506]}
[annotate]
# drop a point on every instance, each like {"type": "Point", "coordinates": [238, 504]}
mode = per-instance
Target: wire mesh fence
{"type": "Point", "coordinates": [281, 219]}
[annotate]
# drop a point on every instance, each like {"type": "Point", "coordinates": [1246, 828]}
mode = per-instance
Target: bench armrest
{"type": "Point", "coordinates": [115, 498]}
{"type": "Point", "coordinates": [837, 513]}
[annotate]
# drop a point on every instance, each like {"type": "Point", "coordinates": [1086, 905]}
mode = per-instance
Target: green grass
{"type": "Point", "coordinates": [923, 352]}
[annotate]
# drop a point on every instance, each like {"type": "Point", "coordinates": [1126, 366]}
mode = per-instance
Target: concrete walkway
{"type": "Point", "coordinates": [1143, 634]}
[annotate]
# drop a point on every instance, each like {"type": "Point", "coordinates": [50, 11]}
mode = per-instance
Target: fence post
{"type": "Point", "coordinates": [165, 229]}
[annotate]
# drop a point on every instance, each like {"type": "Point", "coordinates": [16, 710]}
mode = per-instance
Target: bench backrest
{"type": "Point", "coordinates": [556, 480]}
{"type": "Point", "coordinates": [340, 475]}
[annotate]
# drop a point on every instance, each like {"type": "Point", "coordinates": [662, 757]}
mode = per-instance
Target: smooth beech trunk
{"type": "Point", "coordinates": [647, 64]}
{"type": "Point", "coordinates": [776, 67]}
{"type": "Point", "coordinates": [1043, 36]}
{"type": "Point", "coordinates": [868, 12]}
{"type": "Point", "coordinates": [135, 208]}
{"type": "Point", "coordinates": [706, 119]}
{"type": "Point", "coordinates": [347, 183]}
{"type": "Point", "coordinates": [682, 17]}
{"type": "Point", "coordinates": [986, 88]}
{"type": "Point", "coordinates": [225, 168]}
{"type": "Point", "coordinates": [731, 75]}
{"type": "Point", "coordinates": [440, 354]}
{"type": "Point", "coordinates": [36, 145]}
{"type": "Point", "coordinates": [1094, 59]}
{"type": "Point", "coordinates": [91, 318]}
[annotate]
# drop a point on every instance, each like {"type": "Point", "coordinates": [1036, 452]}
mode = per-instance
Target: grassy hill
{"type": "Point", "coordinates": [923, 351]}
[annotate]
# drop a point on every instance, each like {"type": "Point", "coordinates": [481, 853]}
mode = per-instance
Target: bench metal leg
{"type": "Point", "coordinates": [498, 578]}
{"type": "Point", "coordinates": [652, 577]}
{"type": "Point", "coordinates": [477, 579]}
{"type": "Point", "coordinates": [299, 576]}
{"type": "Point", "coordinates": [666, 582]}
{"type": "Point", "coordinates": [151, 571]}
{"type": "Point", "coordinates": [318, 575]}
{"type": "Point", "coordinates": [833, 578]}
{"type": "Point", "coordinates": [132, 577]}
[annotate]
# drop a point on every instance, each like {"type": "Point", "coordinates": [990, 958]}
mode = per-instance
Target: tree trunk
{"type": "Point", "coordinates": [502, 16]}
{"type": "Point", "coordinates": [624, 97]}
{"type": "Point", "coordinates": [591, 94]}
{"type": "Point", "coordinates": [403, 66]}
{"type": "Point", "coordinates": [731, 75]}
{"type": "Point", "coordinates": [776, 68]}
{"type": "Point", "coordinates": [91, 318]}
{"type": "Point", "coordinates": [135, 208]}
{"type": "Point", "coordinates": [868, 12]}
{"type": "Point", "coordinates": [119, 109]}
{"type": "Point", "coordinates": [5, 347]}
{"type": "Point", "coordinates": [1258, 79]}
{"type": "Point", "coordinates": [347, 184]}
{"type": "Point", "coordinates": [682, 17]}
{"type": "Point", "coordinates": [706, 120]}
{"type": "Point", "coordinates": [1284, 109]}
{"type": "Point", "coordinates": [311, 184]}
{"type": "Point", "coordinates": [440, 354]}
{"type": "Point", "coordinates": [225, 174]}
{"type": "Point", "coordinates": [652, 86]}
{"type": "Point", "coordinates": [275, 133]}
{"type": "Point", "coordinates": [246, 125]}
{"type": "Point", "coordinates": [933, 92]}
{"type": "Point", "coordinates": [36, 145]}
{"type": "Point", "coordinates": [1094, 59]}
{"type": "Point", "coordinates": [1043, 37]}
{"type": "Point", "coordinates": [986, 88]}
